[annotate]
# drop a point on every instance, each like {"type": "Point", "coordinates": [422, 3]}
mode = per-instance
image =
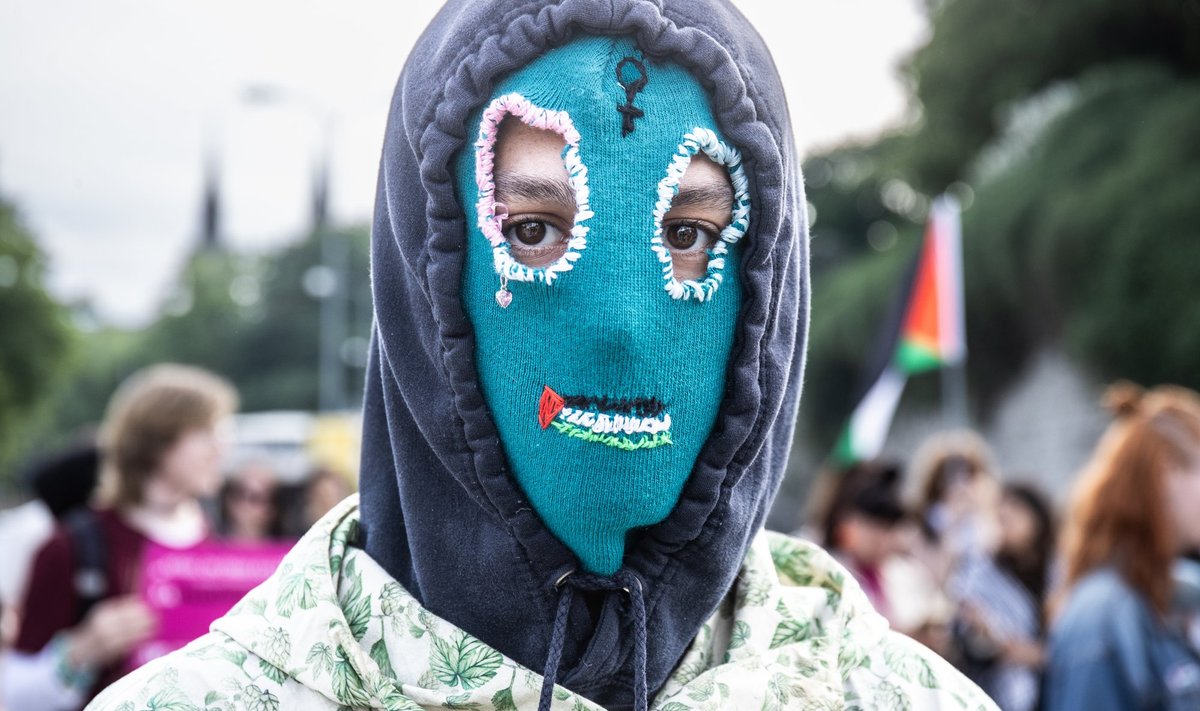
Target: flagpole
{"type": "Point", "coordinates": [954, 396]}
{"type": "Point", "coordinates": [952, 315]}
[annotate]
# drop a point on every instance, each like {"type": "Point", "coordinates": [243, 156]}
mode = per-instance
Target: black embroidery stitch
{"type": "Point", "coordinates": [641, 407]}
{"type": "Point", "coordinates": [629, 112]}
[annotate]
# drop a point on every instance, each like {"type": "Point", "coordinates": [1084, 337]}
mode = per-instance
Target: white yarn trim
{"type": "Point", "coordinates": [721, 153]}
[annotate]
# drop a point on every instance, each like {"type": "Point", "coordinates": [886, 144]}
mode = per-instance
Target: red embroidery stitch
{"type": "Point", "coordinates": [550, 404]}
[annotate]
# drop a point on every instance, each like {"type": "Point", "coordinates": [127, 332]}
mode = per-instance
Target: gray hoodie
{"type": "Point", "coordinates": [439, 506]}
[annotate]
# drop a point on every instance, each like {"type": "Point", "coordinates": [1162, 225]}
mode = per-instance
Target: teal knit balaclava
{"type": "Point", "coordinates": [603, 372]}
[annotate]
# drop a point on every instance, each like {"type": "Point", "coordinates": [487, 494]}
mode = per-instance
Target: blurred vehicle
{"type": "Point", "coordinates": [294, 442]}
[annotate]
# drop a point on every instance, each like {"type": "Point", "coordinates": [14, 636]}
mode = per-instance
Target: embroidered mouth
{"type": "Point", "coordinates": [628, 424]}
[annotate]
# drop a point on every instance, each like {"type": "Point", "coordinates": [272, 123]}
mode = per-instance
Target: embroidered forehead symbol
{"type": "Point", "coordinates": [632, 76]}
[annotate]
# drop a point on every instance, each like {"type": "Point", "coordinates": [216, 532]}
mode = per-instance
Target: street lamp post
{"type": "Point", "coordinates": [325, 281]}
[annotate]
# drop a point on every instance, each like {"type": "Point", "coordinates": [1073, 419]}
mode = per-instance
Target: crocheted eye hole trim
{"type": "Point", "coordinates": [485, 158]}
{"type": "Point", "coordinates": [721, 153]}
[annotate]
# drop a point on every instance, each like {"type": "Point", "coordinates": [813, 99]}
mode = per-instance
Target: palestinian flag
{"type": "Point", "coordinates": [924, 332]}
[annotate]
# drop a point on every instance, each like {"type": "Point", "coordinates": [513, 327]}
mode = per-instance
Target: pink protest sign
{"type": "Point", "coordinates": [189, 588]}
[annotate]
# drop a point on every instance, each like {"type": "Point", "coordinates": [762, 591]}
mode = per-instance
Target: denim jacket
{"type": "Point", "coordinates": [1110, 650]}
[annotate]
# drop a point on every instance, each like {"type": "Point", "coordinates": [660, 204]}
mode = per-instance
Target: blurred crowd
{"type": "Point", "coordinates": [1093, 606]}
{"type": "Point", "coordinates": [157, 471]}
{"type": "Point", "coordinates": [1043, 608]}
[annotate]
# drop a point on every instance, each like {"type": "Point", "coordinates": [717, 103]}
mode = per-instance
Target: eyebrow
{"type": "Point", "coordinates": [510, 186]}
{"type": "Point", "coordinates": [533, 188]}
{"type": "Point", "coordinates": [717, 195]}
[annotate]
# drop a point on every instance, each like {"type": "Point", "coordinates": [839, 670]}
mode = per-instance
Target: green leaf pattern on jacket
{"type": "Point", "coordinates": [463, 661]}
{"type": "Point", "coordinates": [331, 630]}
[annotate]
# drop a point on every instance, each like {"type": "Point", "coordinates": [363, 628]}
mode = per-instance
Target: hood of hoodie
{"type": "Point", "coordinates": [441, 511]}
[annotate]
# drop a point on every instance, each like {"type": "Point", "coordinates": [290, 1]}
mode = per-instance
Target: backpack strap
{"type": "Point", "coordinates": [90, 549]}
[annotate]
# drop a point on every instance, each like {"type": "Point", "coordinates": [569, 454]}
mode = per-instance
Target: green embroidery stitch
{"type": "Point", "coordinates": [625, 443]}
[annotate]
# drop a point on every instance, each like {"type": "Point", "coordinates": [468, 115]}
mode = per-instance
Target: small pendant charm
{"type": "Point", "coordinates": [503, 296]}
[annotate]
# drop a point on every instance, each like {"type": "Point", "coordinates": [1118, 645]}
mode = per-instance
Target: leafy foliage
{"type": "Point", "coordinates": [36, 340]}
{"type": "Point", "coordinates": [247, 318]}
{"type": "Point", "coordinates": [463, 661]}
{"type": "Point", "coordinates": [320, 658]}
{"type": "Point", "coordinates": [379, 654]}
{"type": "Point", "coordinates": [908, 666]}
{"type": "Point", "coordinates": [272, 672]}
{"type": "Point", "coordinates": [347, 684]}
{"type": "Point", "coordinates": [1073, 125]}
{"type": "Point", "coordinates": [355, 604]}
{"type": "Point", "coordinates": [791, 631]}
{"type": "Point", "coordinates": [983, 56]}
{"type": "Point", "coordinates": [296, 590]}
{"type": "Point", "coordinates": [741, 633]}
{"type": "Point", "coordinates": [502, 700]}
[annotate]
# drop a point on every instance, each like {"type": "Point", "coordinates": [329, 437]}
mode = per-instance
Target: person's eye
{"type": "Point", "coordinates": [535, 242]}
{"type": "Point", "coordinates": [689, 237]}
{"type": "Point", "coordinates": [689, 242]}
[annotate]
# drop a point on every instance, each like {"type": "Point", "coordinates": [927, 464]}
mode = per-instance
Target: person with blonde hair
{"type": "Point", "coordinates": [1136, 508]}
{"type": "Point", "coordinates": [81, 618]}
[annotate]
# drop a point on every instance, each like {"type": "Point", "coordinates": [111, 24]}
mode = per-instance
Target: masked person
{"type": "Point", "coordinates": [589, 272]}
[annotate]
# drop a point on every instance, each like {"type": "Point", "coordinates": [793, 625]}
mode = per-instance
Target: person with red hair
{"type": "Point", "coordinates": [1137, 507]}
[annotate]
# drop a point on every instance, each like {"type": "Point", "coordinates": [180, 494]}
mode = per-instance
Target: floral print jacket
{"type": "Point", "coordinates": [331, 630]}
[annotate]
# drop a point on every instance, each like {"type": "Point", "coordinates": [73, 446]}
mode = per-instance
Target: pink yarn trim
{"type": "Point", "coordinates": [491, 223]}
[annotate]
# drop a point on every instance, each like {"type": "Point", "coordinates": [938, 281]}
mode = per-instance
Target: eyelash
{"type": "Point", "coordinates": [693, 222]}
{"type": "Point", "coordinates": [534, 217]}
{"type": "Point", "coordinates": [712, 231]}
{"type": "Point", "coordinates": [558, 224]}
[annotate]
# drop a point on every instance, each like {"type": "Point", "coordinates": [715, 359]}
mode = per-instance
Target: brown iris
{"type": "Point", "coordinates": [682, 236]}
{"type": "Point", "coordinates": [531, 232]}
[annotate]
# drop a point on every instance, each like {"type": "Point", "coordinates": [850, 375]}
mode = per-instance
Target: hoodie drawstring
{"type": "Point", "coordinates": [623, 581]}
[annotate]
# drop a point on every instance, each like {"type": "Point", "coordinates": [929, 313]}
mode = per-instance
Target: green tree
{"type": "Point", "coordinates": [1093, 236]}
{"type": "Point", "coordinates": [1075, 125]}
{"type": "Point", "coordinates": [204, 319]}
{"type": "Point", "coordinates": [277, 359]}
{"type": "Point", "coordinates": [984, 55]}
{"type": "Point", "coordinates": [35, 340]}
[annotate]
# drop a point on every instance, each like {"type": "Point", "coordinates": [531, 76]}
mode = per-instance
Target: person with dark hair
{"type": "Point", "coordinates": [80, 615]}
{"type": "Point", "coordinates": [588, 268]}
{"type": "Point", "coordinates": [67, 480]}
{"type": "Point", "coordinates": [324, 489]}
{"type": "Point", "coordinates": [999, 625]}
{"type": "Point", "coordinates": [61, 482]}
{"type": "Point", "coordinates": [249, 503]}
{"type": "Point", "coordinates": [865, 524]}
{"type": "Point", "coordinates": [956, 476]}
{"type": "Point", "coordinates": [1112, 641]}
{"type": "Point", "coordinates": [860, 527]}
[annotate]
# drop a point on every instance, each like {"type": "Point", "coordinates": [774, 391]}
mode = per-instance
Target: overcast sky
{"type": "Point", "coordinates": [106, 110]}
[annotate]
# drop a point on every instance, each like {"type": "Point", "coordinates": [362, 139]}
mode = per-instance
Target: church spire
{"type": "Point", "coordinates": [320, 196]}
{"type": "Point", "coordinates": [210, 215]}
